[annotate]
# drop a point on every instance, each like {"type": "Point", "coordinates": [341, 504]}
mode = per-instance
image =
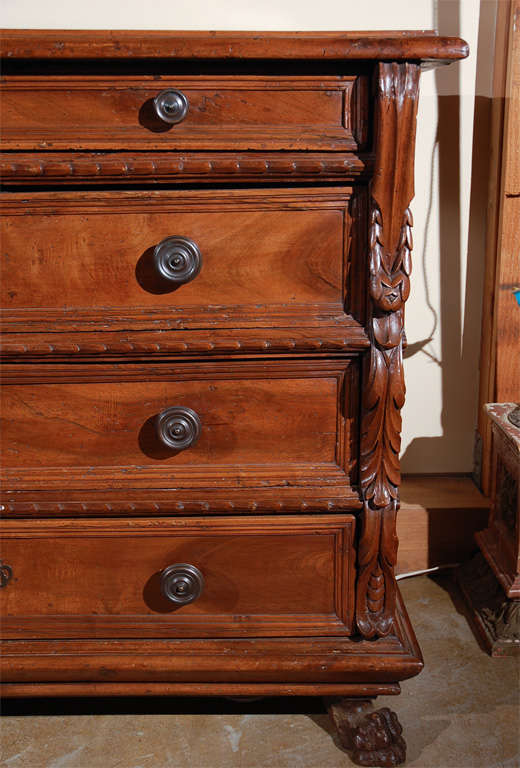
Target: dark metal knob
{"type": "Point", "coordinates": [178, 428]}
{"type": "Point", "coordinates": [177, 259]}
{"type": "Point", "coordinates": [182, 583]}
{"type": "Point", "coordinates": [6, 574]}
{"type": "Point", "coordinates": [171, 106]}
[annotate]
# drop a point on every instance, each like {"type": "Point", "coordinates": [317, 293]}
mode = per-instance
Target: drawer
{"type": "Point", "coordinates": [163, 260]}
{"type": "Point", "coordinates": [218, 113]}
{"type": "Point", "coordinates": [176, 426]}
{"type": "Point", "coordinates": [258, 576]}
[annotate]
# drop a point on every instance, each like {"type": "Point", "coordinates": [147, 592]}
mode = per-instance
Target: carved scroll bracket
{"type": "Point", "coordinates": [390, 246]}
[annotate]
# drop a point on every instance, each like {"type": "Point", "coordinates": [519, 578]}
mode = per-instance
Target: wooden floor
{"type": "Point", "coordinates": [439, 515]}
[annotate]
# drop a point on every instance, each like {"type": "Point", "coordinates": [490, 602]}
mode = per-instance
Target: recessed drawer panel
{"type": "Point", "coordinates": [163, 260]}
{"type": "Point", "coordinates": [183, 113]}
{"type": "Point", "coordinates": [206, 425]}
{"type": "Point", "coordinates": [288, 576]}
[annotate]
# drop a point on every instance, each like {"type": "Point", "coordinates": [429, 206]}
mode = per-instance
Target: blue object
{"type": "Point", "coordinates": [516, 294]}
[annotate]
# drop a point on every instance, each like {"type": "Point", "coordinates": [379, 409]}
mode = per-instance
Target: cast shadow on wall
{"type": "Point", "coordinates": [459, 329]}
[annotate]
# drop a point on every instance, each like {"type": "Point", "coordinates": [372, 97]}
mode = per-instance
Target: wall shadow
{"type": "Point", "coordinates": [460, 329]}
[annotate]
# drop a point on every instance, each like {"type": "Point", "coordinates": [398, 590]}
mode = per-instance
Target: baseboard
{"type": "Point", "coordinates": [437, 521]}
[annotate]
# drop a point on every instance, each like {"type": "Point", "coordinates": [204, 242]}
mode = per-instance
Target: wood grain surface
{"type": "Point", "coordinates": [322, 46]}
{"type": "Point", "coordinates": [506, 332]}
{"type": "Point", "coordinates": [84, 260]}
{"type": "Point", "coordinates": [499, 359]}
{"type": "Point", "coordinates": [266, 113]}
{"type": "Point", "coordinates": [85, 427]}
{"type": "Point", "coordinates": [228, 660]}
{"type": "Point", "coordinates": [292, 576]}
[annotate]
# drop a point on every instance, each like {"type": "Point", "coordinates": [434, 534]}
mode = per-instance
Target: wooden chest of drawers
{"type": "Point", "coordinates": [205, 257]}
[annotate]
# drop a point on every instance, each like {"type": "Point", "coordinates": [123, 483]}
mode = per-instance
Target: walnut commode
{"type": "Point", "coordinates": [206, 253]}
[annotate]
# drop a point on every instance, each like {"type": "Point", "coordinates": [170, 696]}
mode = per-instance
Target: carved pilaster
{"type": "Point", "coordinates": [390, 245]}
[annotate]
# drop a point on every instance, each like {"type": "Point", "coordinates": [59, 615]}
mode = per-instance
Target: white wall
{"type": "Point", "coordinates": [217, 14]}
{"type": "Point", "coordinates": [443, 315]}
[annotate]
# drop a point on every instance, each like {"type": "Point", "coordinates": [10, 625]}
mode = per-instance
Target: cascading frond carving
{"type": "Point", "coordinates": [389, 264]}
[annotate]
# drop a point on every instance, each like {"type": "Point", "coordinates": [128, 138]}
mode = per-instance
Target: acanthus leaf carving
{"type": "Point", "coordinates": [389, 263]}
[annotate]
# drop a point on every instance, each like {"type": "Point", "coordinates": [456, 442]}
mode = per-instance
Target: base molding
{"type": "Point", "coordinates": [20, 690]}
{"type": "Point", "coordinates": [315, 666]}
{"type": "Point", "coordinates": [488, 545]}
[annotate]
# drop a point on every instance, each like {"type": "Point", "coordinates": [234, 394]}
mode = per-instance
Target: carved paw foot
{"type": "Point", "coordinates": [372, 736]}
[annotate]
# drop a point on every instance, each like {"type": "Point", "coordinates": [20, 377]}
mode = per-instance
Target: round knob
{"type": "Point", "coordinates": [178, 428]}
{"type": "Point", "coordinates": [6, 574]}
{"type": "Point", "coordinates": [182, 583]}
{"type": "Point", "coordinates": [177, 259]}
{"type": "Point", "coordinates": [171, 106]}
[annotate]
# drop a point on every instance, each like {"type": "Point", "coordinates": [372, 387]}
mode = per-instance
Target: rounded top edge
{"type": "Point", "coordinates": [95, 44]}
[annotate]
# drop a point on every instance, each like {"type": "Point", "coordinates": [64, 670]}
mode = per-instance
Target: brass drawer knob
{"type": "Point", "coordinates": [178, 428]}
{"type": "Point", "coordinates": [181, 583]}
{"type": "Point", "coordinates": [177, 260]}
{"type": "Point", "coordinates": [171, 106]}
{"type": "Point", "coordinates": [6, 574]}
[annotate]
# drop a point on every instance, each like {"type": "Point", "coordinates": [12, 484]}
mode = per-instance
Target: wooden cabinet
{"type": "Point", "coordinates": [206, 251]}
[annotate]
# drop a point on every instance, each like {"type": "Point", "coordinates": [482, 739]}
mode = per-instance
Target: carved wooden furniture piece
{"type": "Point", "coordinates": [373, 737]}
{"type": "Point", "coordinates": [491, 580]}
{"type": "Point", "coordinates": [206, 253]}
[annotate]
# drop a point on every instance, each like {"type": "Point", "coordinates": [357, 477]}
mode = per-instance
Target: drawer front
{"type": "Point", "coordinates": [114, 260]}
{"type": "Point", "coordinates": [289, 576]}
{"type": "Point", "coordinates": [212, 112]}
{"type": "Point", "coordinates": [256, 423]}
